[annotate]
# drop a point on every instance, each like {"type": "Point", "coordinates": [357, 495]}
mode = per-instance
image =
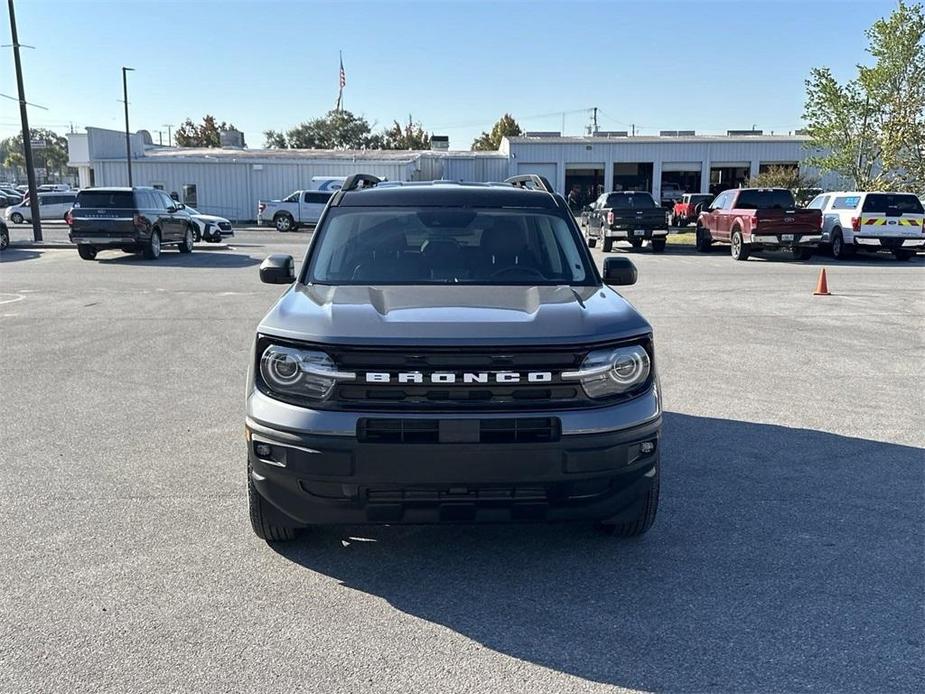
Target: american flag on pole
{"type": "Point", "coordinates": [343, 75]}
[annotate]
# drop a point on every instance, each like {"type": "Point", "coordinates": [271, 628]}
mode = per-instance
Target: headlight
{"type": "Point", "coordinates": [606, 372]}
{"type": "Point", "coordinates": [300, 372]}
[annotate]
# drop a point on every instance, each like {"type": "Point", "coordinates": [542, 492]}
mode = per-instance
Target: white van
{"type": "Point", "coordinates": [52, 206]}
{"type": "Point", "coordinates": [54, 188]}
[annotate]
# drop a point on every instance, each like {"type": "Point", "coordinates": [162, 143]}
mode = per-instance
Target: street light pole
{"type": "Point", "coordinates": [128, 139]}
{"type": "Point", "coordinates": [26, 134]}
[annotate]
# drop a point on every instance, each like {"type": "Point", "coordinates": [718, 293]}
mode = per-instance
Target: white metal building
{"type": "Point", "coordinates": [230, 181]}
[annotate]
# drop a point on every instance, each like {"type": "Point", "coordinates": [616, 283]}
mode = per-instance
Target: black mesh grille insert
{"type": "Point", "coordinates": [509, 430]}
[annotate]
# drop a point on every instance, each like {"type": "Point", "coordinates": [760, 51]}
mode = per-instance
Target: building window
{"type": "Point", "coordinates": [189, 195]}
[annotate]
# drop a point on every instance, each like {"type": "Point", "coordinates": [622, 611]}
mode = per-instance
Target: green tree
{"type": "Point", "coordinates": [205, 134]}
{"type": "Point", "coordinates": [274, 139]}
{"type": "Point", "coordinates": [871, 129]}
{"type": "Point", "coordinates": [788, 177]}
{"type": "Point", "coordinates": [334, 130]}
{"type": "Point", "coordinates": [410, 136]}
{"type": "Point", "coordinates": [490, 142]}
{"type": "Point", "coordinates": [52, 157]}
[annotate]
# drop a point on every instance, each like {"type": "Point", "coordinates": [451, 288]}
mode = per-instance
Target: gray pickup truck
{"type": "Point", "coordinates": [449, 352]}
{"type": "Point", "coordinates": [631, 216]}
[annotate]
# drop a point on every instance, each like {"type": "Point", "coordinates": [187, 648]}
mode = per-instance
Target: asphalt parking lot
{"type": "Point", "coordinates": [787, 555]}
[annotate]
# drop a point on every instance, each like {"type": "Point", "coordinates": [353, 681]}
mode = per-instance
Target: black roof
{"type": "Point", "coordinates": [446, 194]}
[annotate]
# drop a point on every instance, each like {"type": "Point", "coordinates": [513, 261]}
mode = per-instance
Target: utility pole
{"type": "Point", "coordinates": [26, 133]}
{"type": "Point", "coordinates": [634, 129]}
{"type": "Point", "coordinates": [169, 127]}
{"type": "Point", "coordinates": [595, 122]}
{"type": "Point", "coordinates": [128, 139]}
{"type": "Point", "coordinates": [160, 138]}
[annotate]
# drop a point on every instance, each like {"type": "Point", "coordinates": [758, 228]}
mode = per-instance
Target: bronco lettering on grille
{"type": "Point", "coordinates": [446, 378]}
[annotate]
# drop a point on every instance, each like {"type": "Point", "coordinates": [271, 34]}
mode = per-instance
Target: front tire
{"type": "Point", "coordinates": [658, 245]}
{"type": "Point", "coordinates": [608, 245]}
{"type": "Point", "coordinates": [16, 218]}
{"type": "Point", "coordinates": [4, 240]}
{"type": "Point", "coordinates": [739, 249]}
{"type": "Point", "coordinates": [86, 252]}
{"type": "Point", "coordinates": [152, 249]}
{"type": "Point", "coordinates": [259, 512]}
{"type": "Point", "coordinates": [645, 518]}
{"type": "Point", "coordinates": [186, 245]}
{"type": "Point", "coordinates": [903, 253]}
{"type": "Point", "coordinates": [801, 253]}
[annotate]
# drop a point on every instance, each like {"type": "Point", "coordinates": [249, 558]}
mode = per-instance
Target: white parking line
{"type": "Point", "coordinates": [11, 298]}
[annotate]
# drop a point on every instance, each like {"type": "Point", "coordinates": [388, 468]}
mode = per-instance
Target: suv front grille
{"type": "Point", "coordinates": [366, 392]}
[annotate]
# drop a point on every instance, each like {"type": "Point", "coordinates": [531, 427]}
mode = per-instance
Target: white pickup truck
{"type": "Point", "coordinates": [302, 207]}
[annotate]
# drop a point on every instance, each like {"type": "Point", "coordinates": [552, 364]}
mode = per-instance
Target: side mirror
{"type": "Point", "coordinates": [172, 209]}
{"type": "Point", "coordinates": [619, 271]}
{"type": "Point", "coordinates": [181, 206]}
{"type": "Point", "coordinates": [277, 269]}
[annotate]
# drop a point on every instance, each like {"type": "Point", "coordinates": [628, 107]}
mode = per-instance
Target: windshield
{"type": "Point", "coordinates": [765, 200]}
{"type": "Point", "coordinates": [447, 246]}
{"type": "Point", "coordinates": [633, 201]}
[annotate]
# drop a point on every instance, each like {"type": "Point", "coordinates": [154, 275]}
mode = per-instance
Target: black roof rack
{"type": "Point", "coordinates": [354, 182]}
{"type": "Point", "coordinates": [531, 182]}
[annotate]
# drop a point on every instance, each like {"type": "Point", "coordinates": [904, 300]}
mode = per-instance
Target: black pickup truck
{"type": "Point", "coordinates": [626, 216]}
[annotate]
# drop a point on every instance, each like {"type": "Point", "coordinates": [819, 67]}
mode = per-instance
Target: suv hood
{"type": "Point", "coordinates": [452, 315]}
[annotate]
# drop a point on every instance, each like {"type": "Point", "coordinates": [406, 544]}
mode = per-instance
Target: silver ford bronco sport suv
{"type": "Point", "coordinates": [448, 352]}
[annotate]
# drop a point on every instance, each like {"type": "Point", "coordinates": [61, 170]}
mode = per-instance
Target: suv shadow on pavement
{"type": "Point", "coordinates": [782, 559]}
{"type": "Point", "coordinates": [170, 258]}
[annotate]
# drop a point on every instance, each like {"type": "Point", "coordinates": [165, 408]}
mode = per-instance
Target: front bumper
{"type": "Point", "coordinates": [310, 479]}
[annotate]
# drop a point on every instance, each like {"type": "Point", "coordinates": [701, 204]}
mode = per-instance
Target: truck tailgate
{"type": "Point", "coordinates": [788, 221]}
{"type": "Point", "coordinates": [637, 219]}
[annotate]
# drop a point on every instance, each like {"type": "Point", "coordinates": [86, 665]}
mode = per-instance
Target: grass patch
{"type": "Point", "coordinates": [686, 238]}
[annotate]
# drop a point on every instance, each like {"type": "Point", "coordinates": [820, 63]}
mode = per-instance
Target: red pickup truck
{"type": "Point", "coordinates": [687, 209]}
{"type": "Point", "coordinates": [758, 219]}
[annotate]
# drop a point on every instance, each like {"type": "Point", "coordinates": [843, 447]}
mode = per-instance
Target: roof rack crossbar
{"type": "Point", "coordinates": [531, 182]}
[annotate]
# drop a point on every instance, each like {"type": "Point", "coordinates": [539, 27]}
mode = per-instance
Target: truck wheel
{"type": "Point", "coordinates": [636, 244]}
{"type": "Point", "coordinates": [703, 240]}
{"type": "Point", "coordinates": [739, 249]}
{"type": "Point", "coordinates": [86, 252]}
{"type": "Point", "coordinates": [592, 242]}
{"type": "Point", "coordinates": [152, 249]}
{"type": "Point", "coordinates": [263, 528]}
{"type": "Point", "coordinates": [643, 521]}
{"type": "Point", "coordinates": [16, 218]}
{"type": "Point", "coordinates": [840, 249]}
{"type": "Point", "coordinates": [283, 222]}
{"type": "Point", "coordinates": [608, 245]}
{"type": "Point", "coordinates": [658, 245]}
{"type": "Point", "coordinates": [186, 246]}
{"type": "Point", "coordinates": [4, 240]}
{"type": "Point", "coordinates": [801, 253]}
{"type": "Point", "coordinates": [902, 253]}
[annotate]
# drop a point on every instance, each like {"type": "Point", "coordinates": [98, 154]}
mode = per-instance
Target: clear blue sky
{"type": "Point", "coordinates": [456, 67]}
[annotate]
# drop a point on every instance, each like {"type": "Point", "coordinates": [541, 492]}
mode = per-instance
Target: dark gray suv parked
{"type": "Point", "coordinates": [449, 353]}
{"type": "Point", "coordinates": [135, 220]}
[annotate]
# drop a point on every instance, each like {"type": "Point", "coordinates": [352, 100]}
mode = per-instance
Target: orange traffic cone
{"type": "Point", "coordinates": [822, 286]}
